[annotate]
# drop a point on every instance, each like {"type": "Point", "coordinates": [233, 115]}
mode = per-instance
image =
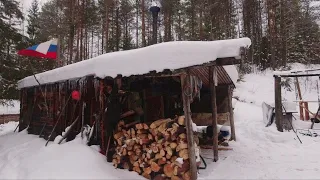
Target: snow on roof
{"type": "Point", "coordinates": [297, 72]}
{"type": "Point", "coordinates": [169, 55]}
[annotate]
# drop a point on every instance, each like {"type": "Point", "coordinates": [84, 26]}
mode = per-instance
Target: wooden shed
{"type": "Point", "coordinates": [194, 80]}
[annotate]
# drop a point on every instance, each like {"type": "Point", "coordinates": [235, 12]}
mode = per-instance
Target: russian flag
{"type": "Point", "coordinates": [44, 50]}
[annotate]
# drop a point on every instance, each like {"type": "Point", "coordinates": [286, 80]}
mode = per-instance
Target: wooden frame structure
{"type": "Point", "coordinates": [61, 110]}
{"type": "Point", "coordinates": [68, 118]}
{"type": "Point", "coordinates": [277, 89]}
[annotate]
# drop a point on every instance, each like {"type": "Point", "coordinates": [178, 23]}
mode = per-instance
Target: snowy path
{"type": "Point", "coordinates": [24, 156]}
{"type": "Point", "coordinates": [264, 153]}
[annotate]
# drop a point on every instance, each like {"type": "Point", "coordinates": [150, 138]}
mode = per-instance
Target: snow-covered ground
{"type": "Point", "coordinates": [24, 156]}
{"type": "Point", "coordinates": [258, 153]}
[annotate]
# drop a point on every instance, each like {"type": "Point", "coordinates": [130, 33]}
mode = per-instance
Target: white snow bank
{"type": "Point", "coordinates": [259, 87]}
{"type": "Point", "coordinates": [169, 55]}
{"type": "Point", "coordinates": [24, 156]}
{"type": "Point", "coordinates": [8, 128]}
{"type": "Point", "coordinates": [12, 108]}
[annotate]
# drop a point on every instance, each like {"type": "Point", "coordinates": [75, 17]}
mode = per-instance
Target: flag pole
{"type": "Point", "coordinates": [58, 52]}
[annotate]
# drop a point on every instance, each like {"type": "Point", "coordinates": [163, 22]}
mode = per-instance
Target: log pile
{"type": "Point", "coordinates": [156, 151]}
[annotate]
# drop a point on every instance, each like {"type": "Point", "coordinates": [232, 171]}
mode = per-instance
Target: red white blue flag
{"type": "Point", "coordinates": [44, 50]}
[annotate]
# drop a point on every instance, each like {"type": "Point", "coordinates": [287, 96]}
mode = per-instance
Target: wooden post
{"type": "Point", "coordinates": [185, 89]}
{"type": "Point", "coordinates": [212, 74]}
{"type": "Point", "coordinates": [145, 105]}
{"type": "Point", "coordinates": [306, 112]}
{"type": "Point", "coordinates": [301, 110]}
{"type": "Point", "coordinates": [300, 98]}
{"type": "Point", "coordinates": [278, 103]}
{"type": "Point", "coordinates": [21, 107]}
{"type": "Point", "coordinates": [162, 106]}
{"type": "Point", "coordinates": [119, 81]}
{"type": "Point", "coordinates": [233, 132]}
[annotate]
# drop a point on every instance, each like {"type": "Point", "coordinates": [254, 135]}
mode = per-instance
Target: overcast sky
{"type": "Point", "coordinates": [27, 3]}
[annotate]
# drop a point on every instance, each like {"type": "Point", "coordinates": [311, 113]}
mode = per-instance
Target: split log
{"type": "Point", "coordinates": [150, 154]}
{"type": "Point", "coordinates": [139, 126]}
{"type": "Point", "coordinates": [187, 176]}
{"type": "Point", "coordinates": [183, 136]}
{"type": "Point", "coordinates": [150, 136]}
{"type": "Point", "coordinates": [184, 154]}
{"type": "Point", "coordinates": [155, 149]}
{"type": "Point", "coordinates": [173, 145]}
{"type": "Point", "coordinates": [159, 177]}
{"type": "Point", "coordinates": [162, 152]}
{"type": "Point", "coordinates": [158, 156]}
{"type": "Point", "coordinates": [147, 170]}
{"type": "Point", "coordinates": [175, 170]}
{"type": "Point", "coordinates": [155, 167]}
{"type": "Point", "coordinates": [118, 135]}
{"type": "Point", "coordinates": [168, 156]}
{"type": "Point", "coordinates": [169, 151]}
{"type": "Point", "coordinates": [158, 123]}
{"type": "Point", "coordinates": [162, 161]}
{"type": "Point", "coordinates": [152, 151]}
{"type": "Point", "coordinates": [181, 121]}
{"type": "Point", "coordinates": [137, 169]}
{"type": "Point", "coordinates": [146, 175]}
{"type": "Point", "coordinates": [182, 145]}
{"type": "Point", "coordinates": [175, 178]}
{"type": "Point", "coordinates": [168, 170]}
{"type": "Point", "coordinates": [136, 164]}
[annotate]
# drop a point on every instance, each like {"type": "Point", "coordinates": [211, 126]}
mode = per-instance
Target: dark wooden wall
{"type": "Point", "coordinates": [161, 98]}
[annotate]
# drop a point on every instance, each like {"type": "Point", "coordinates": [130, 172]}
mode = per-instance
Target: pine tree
{"type": "Point", "coordinates": [33, 28]}
{"type": "Point", "coordinates": [11, 40]}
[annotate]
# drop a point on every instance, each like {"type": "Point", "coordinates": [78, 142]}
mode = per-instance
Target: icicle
{"type": "Point", "coordinates": [81, 86]}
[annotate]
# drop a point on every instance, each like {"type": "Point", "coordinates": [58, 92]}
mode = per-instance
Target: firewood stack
{"type": "Point", "coordinates": [158, 151]}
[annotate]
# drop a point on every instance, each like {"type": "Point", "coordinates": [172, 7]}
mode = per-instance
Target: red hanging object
{"type": "Point", "coordinates": [75, 95]}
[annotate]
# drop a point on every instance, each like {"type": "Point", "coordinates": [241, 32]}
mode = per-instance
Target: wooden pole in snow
{"type": "Point", "coordinates": [212, 74]}
{"type": "Point", "coordinates": [278, 103]}
{"type": "Point", "coordinates": [185, 89]}
{"type": "Point", "coordinates": [233, 132]}
{"type": "Point", "coordinates": [300, 98]}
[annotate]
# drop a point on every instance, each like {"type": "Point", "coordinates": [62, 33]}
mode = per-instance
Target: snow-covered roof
{"type": "Point", "coordinates": [169, 55]}
{"type": "Point", "coordinates": [296, 72]}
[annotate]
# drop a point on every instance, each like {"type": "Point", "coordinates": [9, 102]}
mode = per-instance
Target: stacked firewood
{"type": "Point", "coordinates": [158, 151]}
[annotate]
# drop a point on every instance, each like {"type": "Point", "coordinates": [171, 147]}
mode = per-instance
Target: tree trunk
{"type": "Point", "coordinates": [272, 30]}
{"type": "Point", "coordinates": [106, 30]}
{"type": "Point", "coordinates": [117, 30]}
{"type": "Point", "coordinates": [71, 31]}
{"type": "Point", "coordinates": [137, 24]}
{"type": "Point", "coordinates": [143, 24]}
{"type": "Point", "coordinates": [283, 33]}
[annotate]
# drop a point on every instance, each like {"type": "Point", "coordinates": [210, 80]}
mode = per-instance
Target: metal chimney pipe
{"type": "Point", "coordinates": [155, 12]}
